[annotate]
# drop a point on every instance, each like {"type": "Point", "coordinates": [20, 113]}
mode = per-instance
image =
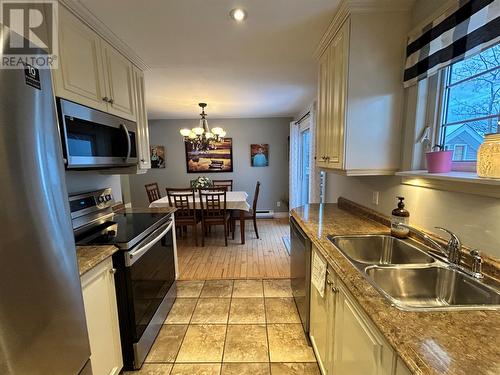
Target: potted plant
{"type": "Point", "coordinates": [201, 183]}
{"type": "Point", "coordinates": [439, 159]}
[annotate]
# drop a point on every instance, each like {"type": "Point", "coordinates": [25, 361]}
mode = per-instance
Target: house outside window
{"type": "Point", "coordinates": [470, 105]}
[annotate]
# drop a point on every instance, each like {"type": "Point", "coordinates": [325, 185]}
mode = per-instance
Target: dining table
{"type": "Point", "coordinates": [235, 200]}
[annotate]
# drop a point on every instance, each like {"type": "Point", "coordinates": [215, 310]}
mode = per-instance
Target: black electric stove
{"type": "Point", "coordinates": [122, 230]}
{"type": "Point", "coordinates": [145, 266]}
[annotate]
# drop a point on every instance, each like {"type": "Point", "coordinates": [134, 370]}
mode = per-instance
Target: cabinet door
{"type": "Point", "coordinates": [337, 68]}
{"type": "Point", "coordinates": [318, 325]}
{"type": "Point", "coordinates": [101, 313]}
{"type": "Point", "coordinates": [323, 96]}
{"type": "Point", "coordinates": [359, 348]}
{"type": "Point", "coordinates": [120, 83]}
{"type": "Point", "coordinates": [142, 122]}
{"type": "Point", "coordinates": [80, 76]}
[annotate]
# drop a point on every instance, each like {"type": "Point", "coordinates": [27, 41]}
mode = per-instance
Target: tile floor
{"type": "Point", "coordinates": [232, 327]}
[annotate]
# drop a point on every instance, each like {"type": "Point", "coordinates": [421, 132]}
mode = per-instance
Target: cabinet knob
{"type": "Point", "coordinates": [329, 282]}
{"type": "Point", "coordinates": [112, 271]}
{"type": "Point", "coordinates": [143, 160]}
{"type": "Point", "coordinates": [111, 101]}
{"type": "Point", "coordinates": [334, 289]}
{"type": "Point", "coordinates": [106, 99]}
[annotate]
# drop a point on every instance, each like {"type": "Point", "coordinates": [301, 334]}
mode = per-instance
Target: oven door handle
{"type": "Point", "coordinates": [129, 145]}
{"type": "Point", "coordinates": [134, 255]}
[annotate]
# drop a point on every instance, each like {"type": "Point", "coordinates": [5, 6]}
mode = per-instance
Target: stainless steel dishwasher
{"type": "Point", "coordinates": [300, 271]}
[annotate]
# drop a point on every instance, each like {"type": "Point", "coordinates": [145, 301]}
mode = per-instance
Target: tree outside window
{"type": "Point", "coordinates": [471, 103]}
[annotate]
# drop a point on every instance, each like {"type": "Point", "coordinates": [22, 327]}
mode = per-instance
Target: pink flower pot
{"type": "Point", "coordinates": [439, 161]}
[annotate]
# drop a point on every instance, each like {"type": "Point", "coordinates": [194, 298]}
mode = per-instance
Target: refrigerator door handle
{"type": "Point", "coordinates": [134, 255]}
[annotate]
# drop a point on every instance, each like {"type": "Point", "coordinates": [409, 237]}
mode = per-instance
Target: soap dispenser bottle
{"type": "Point", "coordinates": [400, 216]}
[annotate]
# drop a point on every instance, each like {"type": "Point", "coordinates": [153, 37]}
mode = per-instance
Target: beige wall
{"type": "Point", "coordinates": [274, 178]}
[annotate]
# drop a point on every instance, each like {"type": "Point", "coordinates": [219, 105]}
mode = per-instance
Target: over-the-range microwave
{"type": "Point", "coordinates": [95, 139]}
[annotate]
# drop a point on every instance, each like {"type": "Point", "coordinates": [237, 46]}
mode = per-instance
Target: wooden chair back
{"type": "Point", "coordinates": [153, 191]}
{"type": "Point", "coordinates": [256, 197]}
{"type": "Point", "coordinates": [213, 203]}
{"type": "Point", "coordinates": [180, 198]}
{"type": "Point", "coordinates": [221, 183]}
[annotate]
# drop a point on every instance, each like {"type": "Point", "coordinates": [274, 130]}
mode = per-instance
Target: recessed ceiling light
{"type": "Point", "coordinates": [238, 14]}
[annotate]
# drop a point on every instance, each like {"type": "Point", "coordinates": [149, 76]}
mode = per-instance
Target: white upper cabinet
{"type": "Point", "coordinates": [360, 98]}
{"type": "Point", "coordinates": [120, 83]}
{"type": "Point", "coordinates": [80, 76]}
{"type": "Point", "coordinates": [142, 122]}
{"type": "Point", "coordinates": [91, 72]}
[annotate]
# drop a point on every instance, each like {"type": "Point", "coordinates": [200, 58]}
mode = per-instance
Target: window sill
{"type": "Point", "coordinates": [463, 182]}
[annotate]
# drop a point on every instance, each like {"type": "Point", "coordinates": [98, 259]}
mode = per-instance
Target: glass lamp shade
{"type": "Point", "coordinates": [185, 132]}
{"type": "Point", "coordinates": [488, 157]}
{"type": "Point", "coordinates": [217, 130]}
{"type": "Point", "coordinates": [191, 135]}
{"type": "Point", "coordinates": [222, 134]}
{"type": "Point", "coordinates": [208, 135]}
{"type": "Point", "coordinates": [198, 131]}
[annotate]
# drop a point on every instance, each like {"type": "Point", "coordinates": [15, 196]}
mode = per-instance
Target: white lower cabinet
{"type": "Point", "coordinates": [99, 298]}
{"type": "Point", "coordinates": [344, 339]}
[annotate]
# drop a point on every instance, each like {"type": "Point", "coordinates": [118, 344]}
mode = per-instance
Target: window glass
{"type": "Point", "coordinates": [471, 103]}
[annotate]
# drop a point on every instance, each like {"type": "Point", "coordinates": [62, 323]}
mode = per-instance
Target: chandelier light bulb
{"type": "Point", "coordinates": [217, 130]}
{"type": "Point", "coordinates": [191, 135]}
{"type": "Point", "coordinates": [222, 134]}
{"type": "Point", "coordinates": [185, 132]}
{"type": "Point", "coordinates": [208, 135]}
{"type": "Point", "coordinates": [238, 14]}
{"type": "Point", "coordinates": [198, 131]}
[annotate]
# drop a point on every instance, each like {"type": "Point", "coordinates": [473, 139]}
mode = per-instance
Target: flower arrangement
{"type": "Point", "coordinates": [201, 183]}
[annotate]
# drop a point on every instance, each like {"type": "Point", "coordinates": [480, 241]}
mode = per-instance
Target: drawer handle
{"type": "Point", "coordinates": [112, 271]}
{"type": "Point", "coordinates": [106, 99]}
{"type": "Point", "coordinates": [111, 101]}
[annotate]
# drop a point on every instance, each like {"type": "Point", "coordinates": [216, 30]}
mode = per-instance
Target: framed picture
{"type": "Point", "coordinates": [157, 156]}
{"type": "Point", "coordinates": [259, 155]}
{"type": "Point", "coordinates": [217, 160]}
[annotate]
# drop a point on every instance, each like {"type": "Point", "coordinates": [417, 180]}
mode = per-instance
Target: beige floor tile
{"type": "Point", "coordinates": [246, 343]}
{"type": "Point", "coordinates": [167, 344]}
{"type": "Point", "coordinates": [287, 343]}
{"type": "Point", "coordinates": [211, 311]}
{"type": "Point", "coordinates": [245, 369]}
{"type": "Point", "coordinates": [196, 369]}
{"type": "Point", "coordinates": [277, 288]}
{"type": "Point", "coordinates": [152, 369]}
{"type": "Point", "coordinates": [217, 289]}
{"type": "Point", "coordinates": [281, 310]}
{"type": "Point", "coordinates": [181, 311]}
{"type": "Point", "coordinates": [189, 289]}
{"type": "Point", "coordinates": [247, 288]}
{"type": "Point", "coordinates": [295, 369]}
{"type": "Point", "coordinates": [247, 311]}
{"type": "Point", "coordinates": [203, 343]}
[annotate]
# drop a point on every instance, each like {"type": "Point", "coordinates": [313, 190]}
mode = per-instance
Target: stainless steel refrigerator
{"type": "Point", "coordinates": [42, 320]}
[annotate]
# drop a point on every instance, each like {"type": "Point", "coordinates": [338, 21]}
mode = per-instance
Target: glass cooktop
{"type": "Point", "coordinates": [122, 230]}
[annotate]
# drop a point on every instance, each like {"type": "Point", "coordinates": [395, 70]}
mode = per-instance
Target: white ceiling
{"type": "Point", "coordinates": [260, 68]}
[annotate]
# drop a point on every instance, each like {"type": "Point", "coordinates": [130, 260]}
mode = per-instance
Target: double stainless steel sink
{"type": "Point", "coordinates": [412, 278]}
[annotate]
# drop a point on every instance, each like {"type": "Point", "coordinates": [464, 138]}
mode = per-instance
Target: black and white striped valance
{"type": "Point", "coordinates": [463, 31]}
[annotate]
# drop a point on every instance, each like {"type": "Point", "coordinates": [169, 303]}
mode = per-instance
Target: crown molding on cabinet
{"type": "Point", "coordinates": [86, 16]}
{"type": "Point", "coordinates": [348, 7]}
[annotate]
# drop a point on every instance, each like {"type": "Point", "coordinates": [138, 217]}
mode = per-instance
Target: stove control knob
{"type": "Point", "coordinates": [100, 199]}
{"type": "Point", "coordinates": [108, 197]}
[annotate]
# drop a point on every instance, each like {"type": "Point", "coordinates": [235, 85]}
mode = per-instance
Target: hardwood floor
{"type": "Point", "coordinates": [256, 259]}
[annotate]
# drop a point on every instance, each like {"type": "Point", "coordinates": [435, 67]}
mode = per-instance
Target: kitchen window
{"type": "Point", "coordinates": [470, 105]}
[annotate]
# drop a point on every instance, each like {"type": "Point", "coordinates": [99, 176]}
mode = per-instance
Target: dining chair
{"type": "Point", "coordinates": [251, 215]}
{"type": "Point", "coordinates": [213, 210]}
{"type": "Point", "coordinates": [221, 183]}
{"type": "Point", "coordinates": [185, 215]}
{"type": "Point", "coordinates": [153, 191]}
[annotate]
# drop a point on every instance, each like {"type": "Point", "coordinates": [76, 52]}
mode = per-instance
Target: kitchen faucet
{"type": "Point", "coordinates": [452, 251]}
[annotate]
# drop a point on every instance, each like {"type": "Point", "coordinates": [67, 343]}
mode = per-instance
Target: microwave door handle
{"type": "Point", "coordinates": [129, 146]}
{"type": "Point", "coordinates": [133, 256]}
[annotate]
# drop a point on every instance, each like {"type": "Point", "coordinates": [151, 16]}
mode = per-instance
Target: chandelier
{"type": "Point", "coordinates": [202, 138]}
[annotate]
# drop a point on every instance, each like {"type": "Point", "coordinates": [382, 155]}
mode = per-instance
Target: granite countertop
{"type": "Point", "coordinates": [449, 342]}
{"type": "Point", "coordinates": [90, 256]}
